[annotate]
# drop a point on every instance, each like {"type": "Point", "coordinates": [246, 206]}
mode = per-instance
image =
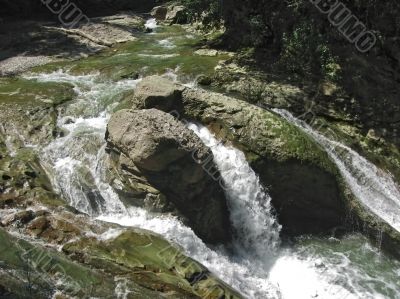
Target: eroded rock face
{"type": "Point", "coordinates": [152, 146]}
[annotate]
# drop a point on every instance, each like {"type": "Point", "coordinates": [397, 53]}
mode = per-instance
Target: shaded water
{"type": "Point", "coordinates": [257, 267]}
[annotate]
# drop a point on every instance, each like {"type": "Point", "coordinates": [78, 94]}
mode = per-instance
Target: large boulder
{"type": "Point", "coordinates": [152, 146]}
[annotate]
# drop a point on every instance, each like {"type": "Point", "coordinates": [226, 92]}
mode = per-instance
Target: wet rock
{"type": "Point", "coordinates": [157, 92]}
{"type": "Point", "coordinates": [177, 14]}
{"type": "Point", "coordinates": [37, 226]}
{"type": "Point", "coordinates": [154, 145]}
{"type": "Point", "coordinates": [21, 217]}
{"type": "Point", "coordinates": [150, 258]}
{"type": "Point", "coordinates": [303, 183]}
{"type": "Point", "coordinates": [159, 12]}
{"type": "Point", "coordinates": [204, 80]}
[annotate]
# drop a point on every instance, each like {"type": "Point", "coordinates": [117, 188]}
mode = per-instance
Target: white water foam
{"type": "Point", "coordinates": [167, 43]}
{"type": "Point", "coordinates": [372, 186]}
{"type": "Point", "coordinates": [249, 204]}
{"type": "Point", "coordinates": [151, 24]}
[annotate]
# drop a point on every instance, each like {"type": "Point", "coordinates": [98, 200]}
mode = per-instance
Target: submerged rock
{"type": "Point", "coordinates": [152, 147]}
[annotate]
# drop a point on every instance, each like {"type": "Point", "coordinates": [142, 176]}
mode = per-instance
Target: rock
{"type": "Point", "coordinates": [37, 226]}
{"type": "Point", "coordinates": [177, 14]}
{"type": "Point", "coordinates": [154, 145]}
{"type": "Point", "coordinates": [307, 190]}
{"type": "Point", "coordinates": [206, 52]}
{"type": "Point", "coordinates": [159, 12]}
{"type": "Point", "coordinates": [21, 217]}
{"type": "Point", "coordinates": [157, 92]}
{"type": "Point", "coordinates": [30, 114]}
{"type": "Point", "coordinates": [97, 259]}
{"type": "Point", "coordinates": [151, 258]}
{"type": "Point", "coordinates": [204, 80]}
{"type": "Point", "coordinates": [303, 183]}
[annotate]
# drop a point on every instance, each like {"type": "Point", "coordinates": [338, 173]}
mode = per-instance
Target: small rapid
{"type": "Point", "coordinates": [372, 186]}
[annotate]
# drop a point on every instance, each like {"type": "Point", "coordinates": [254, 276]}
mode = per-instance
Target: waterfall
{"type": "Point", "coordinates": [257, 268]}
{"type": "Point", "coordinates": [373, 187]}
{"type": "Point", "coordinates": [248, 202]}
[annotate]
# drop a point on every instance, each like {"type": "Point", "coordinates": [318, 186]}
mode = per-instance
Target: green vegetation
{"type": "Point", "coordinates": [306, 52]}
{"type": "Point", "coordinates": [206, 11]}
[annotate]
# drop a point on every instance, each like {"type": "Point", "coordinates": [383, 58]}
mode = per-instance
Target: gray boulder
{"type": "Point", "coordinates": [177, 14]}
{"type": "Point", "coordinates": [157, 92]}
{"type": "Point", "coordinates": [163, 153]}
{"type": "Point", "coordinates": [159, 12]}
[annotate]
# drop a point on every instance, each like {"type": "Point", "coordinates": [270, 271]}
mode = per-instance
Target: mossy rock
{"type": "Point", "coordinates": [303, 182]}
{"type": "Point", "coordinates": [32, 271]}
{"type": "Point", "coordinates": [151, 262]}
{"type": "Point", "coordinates": [28, 109]}
{"type": "Point", "coordinates": [24, 180]}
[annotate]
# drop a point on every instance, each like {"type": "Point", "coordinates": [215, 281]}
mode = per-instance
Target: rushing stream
{"type": "Point", "coordinates": [258, 266]}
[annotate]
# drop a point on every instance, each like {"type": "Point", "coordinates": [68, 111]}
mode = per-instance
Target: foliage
{"type": "Point", "coordinates": [206, 11]}
{"type": "Point", "coordinates": [305, 51]}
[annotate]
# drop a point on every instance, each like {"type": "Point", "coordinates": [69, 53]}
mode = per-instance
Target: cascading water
{"type": "Point", "coordinates": [257, 268]}
{"type": "Point", "coordinates": [372, 186]}
{"type": "Point", "coordinates": [74, 161]}
{"type": "Point", "coordinates": [249, 204]}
